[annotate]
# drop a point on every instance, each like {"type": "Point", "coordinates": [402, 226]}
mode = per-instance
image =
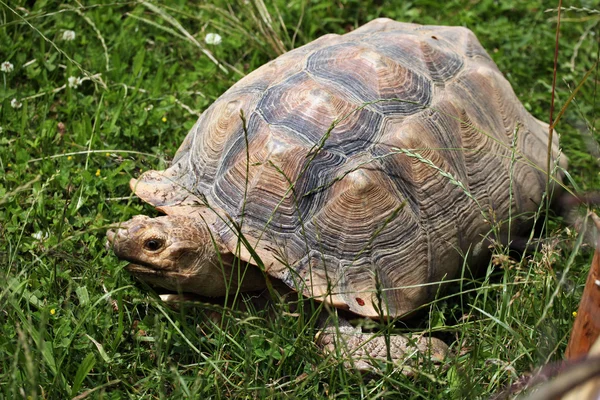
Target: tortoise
{"type": "Point", "coordinates": [362, 170]}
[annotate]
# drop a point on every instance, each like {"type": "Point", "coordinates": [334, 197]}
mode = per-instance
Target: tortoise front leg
{"type": "Point", "coordinates": [365, 350]}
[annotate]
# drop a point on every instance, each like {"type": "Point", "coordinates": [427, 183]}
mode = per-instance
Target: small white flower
{"type": "Point", "coordinates": [14, 103]}
{"type": "Point", "coordinates": [150, 107]}
{"type": "Point", "coordinates": [6, 67]}
{"type": "Point", "coordinates": [40, 235]}
{"type": "Point", "coordinates": [68, 35]}
{"type": "Point", "coordinates": [213, 38]}
{"type": "Point", "coordinates": [74, 82]}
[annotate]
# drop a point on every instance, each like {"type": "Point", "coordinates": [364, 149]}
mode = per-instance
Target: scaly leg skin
{"type": "Point", "coordinates": [365, 350]}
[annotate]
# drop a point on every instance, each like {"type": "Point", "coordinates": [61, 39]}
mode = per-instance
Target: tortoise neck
{"type": "Point", "coordinates": [227, 274]}
{"type": "Point", "coordinates": [218, 271]}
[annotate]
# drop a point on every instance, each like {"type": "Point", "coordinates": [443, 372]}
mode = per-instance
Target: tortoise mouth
{"type": "Point", "coordinates": [141, 269]}
{"type": "Point", "coordinates": [148, 271]}
{"type": "Point", "coordinates": [160, 280]}
{"type": "Point", "coordinates": [148, 277]}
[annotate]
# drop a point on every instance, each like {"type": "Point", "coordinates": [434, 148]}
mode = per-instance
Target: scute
{"type": "Point", "coordinates": [367, 76]}
{"type": "Point", "coordinates": [309, 110]}
{"type": "Point", "coordinates": [368, 167]}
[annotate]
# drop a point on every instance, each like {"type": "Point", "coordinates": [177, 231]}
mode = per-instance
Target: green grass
{"type": "Point", "coordinates": [72, 322]}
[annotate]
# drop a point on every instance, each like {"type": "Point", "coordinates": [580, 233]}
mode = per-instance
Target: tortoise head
{"type": "Point", "coordinates": [178, 253]}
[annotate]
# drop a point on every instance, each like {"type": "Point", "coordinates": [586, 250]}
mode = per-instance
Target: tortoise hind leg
{"type": "Point", "coordinates": [365, 350]}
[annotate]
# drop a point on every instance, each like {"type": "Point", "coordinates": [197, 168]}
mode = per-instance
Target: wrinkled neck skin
{"type": "Point", "coordinates": [179, 253]}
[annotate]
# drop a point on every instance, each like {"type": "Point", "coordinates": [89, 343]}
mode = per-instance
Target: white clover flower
{"type": "Point", "coordinates": [68, 35]}
{"type": "Point", "coordinates": [74, 82]}
{"type": "Point", "coordinates": [213, 38]}
{"type": "Point", "coordinates": [40, 235]}
{"type": "Point", "coordinates": [14, 103]}
{"type": "Point", "coordinates": [6, 67]}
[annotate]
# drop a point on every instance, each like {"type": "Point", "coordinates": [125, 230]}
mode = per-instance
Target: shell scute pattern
{"type": "Point", "coordinates": [309, 109]}
{"type": "Point", "coordinates": [216, 133]}
{"type": "Point", "coordinates": [367, 76]}
{"type": "Point", "coordinates": [434, 58]}
{"type": "Point", "coordinates": [461, 39]}
{"type": "Point", "coordinates": [355, 207]}
{"type": "Point", "coordinates": [394, 195]}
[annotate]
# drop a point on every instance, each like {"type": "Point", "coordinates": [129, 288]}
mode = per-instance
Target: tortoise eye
{"type": "Point", "coordinates": [153, 244]}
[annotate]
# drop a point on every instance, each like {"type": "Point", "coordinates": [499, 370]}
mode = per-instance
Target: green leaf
{"type": "Point", "coordinates": [84, 368]}
{"type": "Point", "coordinates": [138, 62]}
{"type": "Point", "coordinates": [48, 355]}
{"type": "Point", "coordinates": [82, 295]}
{"type": "Point", "coordinates": [100, 348]}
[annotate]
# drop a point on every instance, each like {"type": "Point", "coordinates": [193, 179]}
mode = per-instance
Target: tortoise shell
{"type": "Point", "coordinates": [366, 166]}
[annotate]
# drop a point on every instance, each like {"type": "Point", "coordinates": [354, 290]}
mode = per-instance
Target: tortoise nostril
{"type": "Point", "coordinates": [115, 235]}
